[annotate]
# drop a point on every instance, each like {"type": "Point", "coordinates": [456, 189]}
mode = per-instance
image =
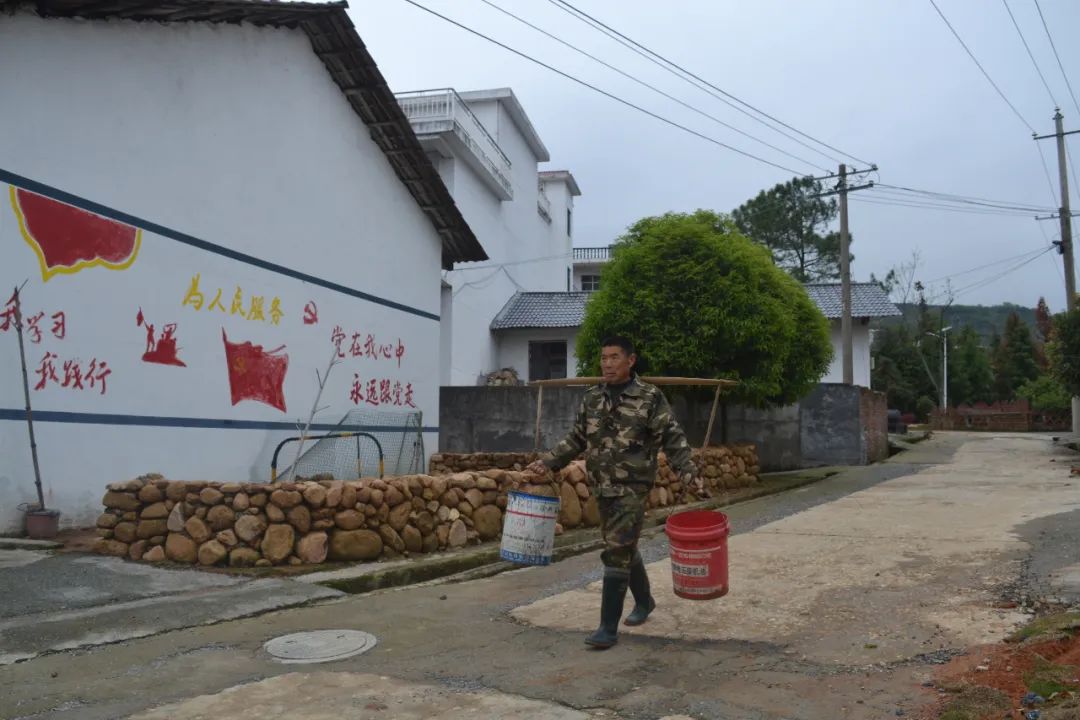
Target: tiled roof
{"type": "Point", "coordinates": [542, 310]}
{"type": "Point", "coordinates": [567, 309]}
{"type": "Point", "coordinates": [335, 40]}
{"type": "Point", "coordinates": [867, 300]}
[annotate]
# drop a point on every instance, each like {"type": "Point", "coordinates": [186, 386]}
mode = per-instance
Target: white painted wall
{"type": "Point", "coordinates": [514, 236]}
{"type": "Point", "coordinates": [234, 135]}
{"type": "Point", "coordinates": [860, 346]}
{"type": "Point", "coordinates": [581, 269]}
{"type": "Point", "coordinates": [514, 348]}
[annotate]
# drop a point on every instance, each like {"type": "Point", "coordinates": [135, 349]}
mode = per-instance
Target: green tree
{"type": "Point", "coordinates": [1015, 360]}
{"type": "Point", "coordinates": [971, 378]}
{"type": "Point", "coordinates": [699, 299]}
{"type": "Point", "coordinates": [792, 222]}
{"type": "Point", "coordinates": [1045, 393]}
{"type": "Point", "coordinates": [1063, 350]}
{"type": "Point", "coordinates": [1044, 322]}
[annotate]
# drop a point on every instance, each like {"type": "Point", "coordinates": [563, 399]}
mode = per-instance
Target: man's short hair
{"type": "Point", "coordinates": [619, 341]}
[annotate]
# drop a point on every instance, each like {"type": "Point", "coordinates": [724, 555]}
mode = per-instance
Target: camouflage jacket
{"type": "Point", "coordinates": [621, 439]}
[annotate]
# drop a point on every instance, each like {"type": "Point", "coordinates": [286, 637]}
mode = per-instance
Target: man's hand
{"type": "Point", "coordinates": [694, 482]}
{"type": "Point", "coordinates": [537, 467]}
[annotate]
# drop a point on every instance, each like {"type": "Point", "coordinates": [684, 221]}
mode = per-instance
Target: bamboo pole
{"type": "Point", "coordinates": [26, 393]}
{"type": "Point", "coordinates": [712, 416]}
{"type": "Point", "coordinates": [702, 382]}
{"type": "Point", "coordinates": [539, 410]}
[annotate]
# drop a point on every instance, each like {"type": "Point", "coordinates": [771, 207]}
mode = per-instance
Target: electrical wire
{"type": "Point", "coordinates": [1056, 56]}
{"type": "Point", "coordinates": [942, 208]}
{"type": "Point", "coordinates": [1072, 169]}
{"type": "Point", "coordinates": [710, 88]}
{"type": "Point", "coordinates": [1046, 170]}
{"type": "Point", "coordinates": [968, 199]}
{"type": "Point", "coordinates": [655, 89]}
{"type": "Point", "coordinates": [995, 278]}
{"type": "Point", "coordinates": [931, 202]}
{"type": "Point", "coordinates": [1030, 54]}
{"type": "Point", "coordinates": [1050, 243]}
{"type": "Point", "coordinates": [979, 65]}
{"type": "Point", "coordinates": [605, 93]}
{"type": "Point", "coordinates": [1021, 256]}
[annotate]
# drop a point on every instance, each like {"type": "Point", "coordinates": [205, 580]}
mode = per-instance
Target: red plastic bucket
{"type": "Point", "coordinates": [699, 558]}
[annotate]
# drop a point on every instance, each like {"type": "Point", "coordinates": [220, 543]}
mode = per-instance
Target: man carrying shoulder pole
{"type": "Point", "coordinates": [621, 426]}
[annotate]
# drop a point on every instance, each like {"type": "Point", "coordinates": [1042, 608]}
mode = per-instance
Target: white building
{"type": "Point", "coordinates": [206, 201]}
{"type": "Point", "coordinates": [539, 329]}
{"type": "Point", "coordinates": [487, 152]}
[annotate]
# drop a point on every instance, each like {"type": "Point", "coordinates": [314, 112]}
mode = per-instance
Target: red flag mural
{"type": "Point", "coordinates": [256, 374]}
{"type": "Point", "coordinates": [67, 239]}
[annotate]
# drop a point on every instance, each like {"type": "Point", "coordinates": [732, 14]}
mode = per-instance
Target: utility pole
{"type": "Point", "coordinates": [1066, 246]}
{"type": "Point", "coordinates": [842, 189]}
{"type": "Point", "coordinates": [1066, 219]}
{"type": "Point", "coordinates": [845, 283]}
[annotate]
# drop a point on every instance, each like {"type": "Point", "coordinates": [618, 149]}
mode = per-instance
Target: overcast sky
{"type": "Point", "coordinates": [884, 80]}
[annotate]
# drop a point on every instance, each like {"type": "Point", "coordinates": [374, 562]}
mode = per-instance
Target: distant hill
{"type": "Point", "coordinates": [986, 319]}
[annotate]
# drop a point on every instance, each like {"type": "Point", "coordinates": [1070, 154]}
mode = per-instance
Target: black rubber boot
{"type": "Point", "coordinates": [639, 587]}
{"type": "Point", "coordinates": [611, 607]}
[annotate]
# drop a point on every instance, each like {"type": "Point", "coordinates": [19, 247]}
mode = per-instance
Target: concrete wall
{"type": "Point", "coordinates": [844, 425]}
{"type": "Point", "coordinates": [233, 135]}
{"type": "Point", "coordinates": [828, 427]}
{"type": "Point", "coordinates": [832, 433]}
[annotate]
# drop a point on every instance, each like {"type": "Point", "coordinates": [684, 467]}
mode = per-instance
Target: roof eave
{"type": "Point", "coordinates": [335, 41]}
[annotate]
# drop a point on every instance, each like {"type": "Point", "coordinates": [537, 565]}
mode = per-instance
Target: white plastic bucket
{"type": "Point", "coordinates": [528, 535]}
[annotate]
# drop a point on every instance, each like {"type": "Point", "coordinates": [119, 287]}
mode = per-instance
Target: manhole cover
{"type": "Point", "coordinates": [320, 646]}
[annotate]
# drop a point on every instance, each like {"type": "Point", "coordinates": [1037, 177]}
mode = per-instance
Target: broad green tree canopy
{"type": "Point", "coordinates": [701, 300]}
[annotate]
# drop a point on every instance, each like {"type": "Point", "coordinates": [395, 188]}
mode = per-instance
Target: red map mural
{"type": "Point", "coordinates": [67, 239]}
{"type": "Point", "coordinates": [256, 374]}
{"type": "Point", "coordinates": [162, 349]}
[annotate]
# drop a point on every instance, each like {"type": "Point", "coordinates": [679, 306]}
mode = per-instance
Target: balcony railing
{"type": "Point", "coordinates": [437, 111]}
{"type": "Point", "coordinates": [587, 254]}
{"type": "Point", "coordinates": [543, 203]}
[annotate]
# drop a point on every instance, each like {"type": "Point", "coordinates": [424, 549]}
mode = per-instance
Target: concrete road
{"type": "Point", "coordinates": [61, 601]}
{"type": "Point", "coordinates": [844, 596]}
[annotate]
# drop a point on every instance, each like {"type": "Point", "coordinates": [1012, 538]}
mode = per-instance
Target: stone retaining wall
{"type": "Point", "coordinates": [311, 521]}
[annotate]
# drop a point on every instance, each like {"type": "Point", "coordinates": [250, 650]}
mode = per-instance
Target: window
{"type": "Point", "coordinates": [569, 219]}
{"type": "Point", "coordinates": [547, 360]}
{"type": "Point", "coordinates": [590, 283]}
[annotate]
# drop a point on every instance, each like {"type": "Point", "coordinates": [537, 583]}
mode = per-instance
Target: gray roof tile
{"type": "Point", "coordinates": [542, 310]}
{"type": "Point", "coordinates": [567, 309]}
{"type": "Point", "coordinates": [867, 300]}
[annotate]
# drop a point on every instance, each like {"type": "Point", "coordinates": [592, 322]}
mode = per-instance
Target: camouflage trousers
{"type": "Point", "coordinates": [621, 519]}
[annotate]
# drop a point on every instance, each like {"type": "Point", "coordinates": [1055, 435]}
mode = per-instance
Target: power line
{"type": "Point", "coordinates": [1050, 243]}
{"type": "Point", "coordinates": [1028, 254]}
{"type": "Point", "coordinates": [979, 65]}
{"type": "Point", "coordinates": [651, 87]}
{"type": "Point", "coordinates": [1030, 54]}
{"type": "Point", "coordinates": [1072, 169]}
{"type": "Point", "coordinates": [943, 208]}
{"type": "Point", "coordinates": [1057, 57]}
{"type": "Point", "coordinates": [967, 200]}
{"type": "Point", "coordinates": [995, 278]}
{"type": "Point", "coordinates": [1046, 170]}
{"type": "Point", "coordinates": [582, 14]}
{"type": "Point", "coordinates": [605, 93]}
{"type": "Point", "coordinates": [914, 201]}
{"type": "Point", "coordinates": [974, 199]}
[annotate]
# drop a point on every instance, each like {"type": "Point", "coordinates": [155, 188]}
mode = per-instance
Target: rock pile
{"type": "Point", "coordinates": [448, 463]}
{"type": "Point", "coordinates": [311, 521]}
